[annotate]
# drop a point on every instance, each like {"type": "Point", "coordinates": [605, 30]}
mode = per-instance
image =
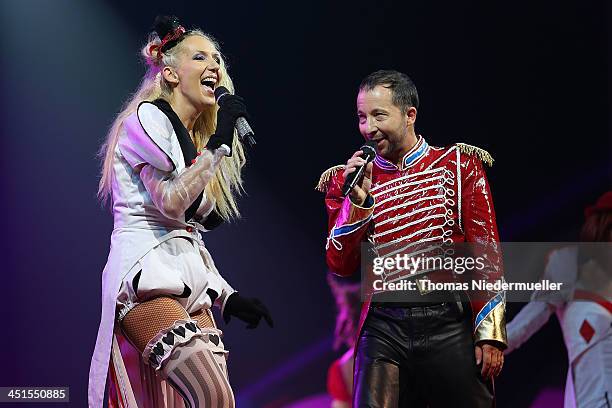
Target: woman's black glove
{"type": "Point", "coordinates": [231, 108]}
{"type": "Point", "coordinates": [248, 310]}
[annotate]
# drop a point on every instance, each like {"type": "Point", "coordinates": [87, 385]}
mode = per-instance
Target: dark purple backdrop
{"type": "Point", "coordinates": [528, 81]}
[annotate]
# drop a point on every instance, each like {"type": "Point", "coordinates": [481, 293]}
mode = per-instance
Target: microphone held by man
{"type": "Point", "coordinates": [358, 173]}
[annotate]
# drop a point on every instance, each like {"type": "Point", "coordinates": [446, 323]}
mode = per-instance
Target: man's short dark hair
{"type": "Point", "coordinates": [404, 93]}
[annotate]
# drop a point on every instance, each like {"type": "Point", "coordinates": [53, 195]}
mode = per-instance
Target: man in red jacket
{"type": "Point", "coordinates": [425, 351]}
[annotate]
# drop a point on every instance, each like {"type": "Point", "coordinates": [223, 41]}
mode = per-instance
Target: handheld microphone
{"type": "Point", "coordinates": [241, 125]}
{"type": "Point", "coordinates": [369, 152]}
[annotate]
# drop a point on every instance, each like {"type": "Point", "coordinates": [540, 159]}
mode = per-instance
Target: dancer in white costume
{"type": "Point", "coordinates": [583, 307]}
{"type": "Point", "coordinates": [171, 169]}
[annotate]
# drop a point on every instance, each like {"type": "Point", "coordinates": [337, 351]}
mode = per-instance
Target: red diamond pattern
{"type": "Point", "coordinates": [586, 331]}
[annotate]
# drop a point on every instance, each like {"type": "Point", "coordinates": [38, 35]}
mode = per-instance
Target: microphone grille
{"type": "Point", "coordinates": [369, 149]}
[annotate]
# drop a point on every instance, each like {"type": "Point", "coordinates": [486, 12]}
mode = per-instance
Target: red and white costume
{"type": "Point", "coordinates": [585, 320]}
{"type": "Point", "coordinates": [437, 195]}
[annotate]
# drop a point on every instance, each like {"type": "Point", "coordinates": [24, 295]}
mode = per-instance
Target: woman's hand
{"type": "Point", "coordinates": [232, 108]}
{"type": "Point", "coordinates": [248, 310]}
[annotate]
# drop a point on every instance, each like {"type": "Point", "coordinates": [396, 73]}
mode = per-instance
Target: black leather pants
{"type": "Point", "coordinates": [419, 357]}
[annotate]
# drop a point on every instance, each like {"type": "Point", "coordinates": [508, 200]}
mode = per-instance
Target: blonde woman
{"type": "Point", "coordinates": [171, 169]}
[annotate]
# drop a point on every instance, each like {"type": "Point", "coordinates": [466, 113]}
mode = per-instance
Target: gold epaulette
{"type": "Point", "coordinates": [476, 151]}
{"type": "Point", "coordinates": [326, 177]}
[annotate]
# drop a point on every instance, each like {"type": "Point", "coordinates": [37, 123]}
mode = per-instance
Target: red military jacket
{"type": "Point", "coordinates": [435, 195]}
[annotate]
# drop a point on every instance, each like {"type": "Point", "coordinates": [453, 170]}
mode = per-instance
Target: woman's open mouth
{"type": "Point", "coordinates": [209, 83]}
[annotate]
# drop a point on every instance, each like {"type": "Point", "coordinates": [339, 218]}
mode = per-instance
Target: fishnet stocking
{"type": "Point", "coordinates": [204, 318]}
{"type": "Point", "coordinates": [146, 319]}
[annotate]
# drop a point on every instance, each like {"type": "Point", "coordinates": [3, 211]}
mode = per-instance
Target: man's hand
{"type": "Point", "coordinates": [492, 359]}
{"type": "Point", "coordinates": [360, 192]}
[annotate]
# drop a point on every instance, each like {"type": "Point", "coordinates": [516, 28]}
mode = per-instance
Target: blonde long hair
{"type": "Point", "coordinates": [227, 182]}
